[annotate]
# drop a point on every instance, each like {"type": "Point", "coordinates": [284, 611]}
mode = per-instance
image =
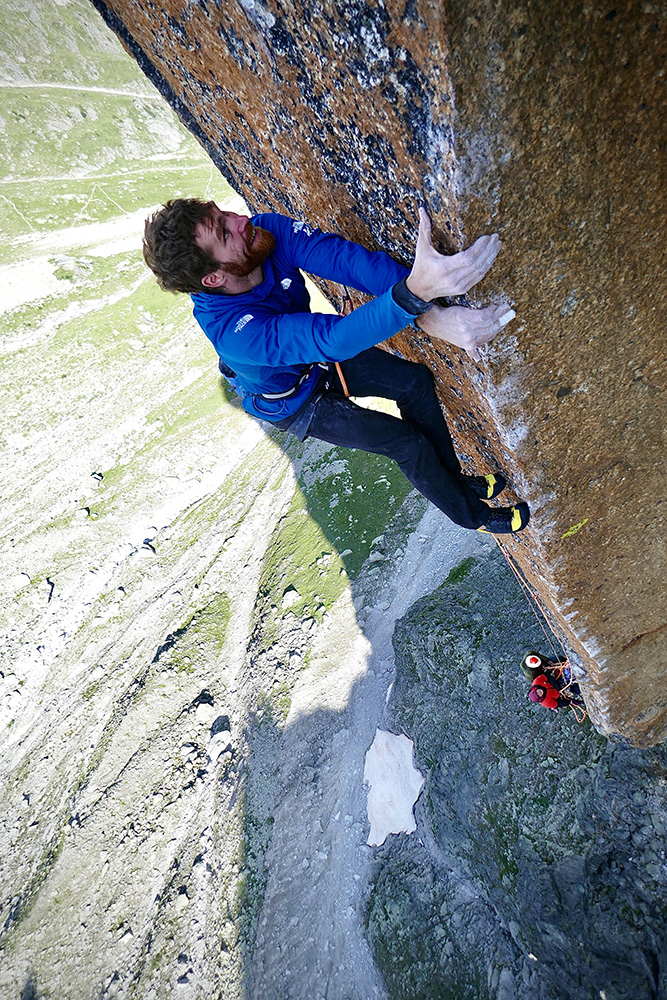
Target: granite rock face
{"type": "Point", "coordinates": [538, 868]}
{"type": "Point", "coordinates": [542, 122]}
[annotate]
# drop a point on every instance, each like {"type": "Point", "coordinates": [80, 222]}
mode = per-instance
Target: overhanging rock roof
{"type": "Point", "coordinates": [543, 122]}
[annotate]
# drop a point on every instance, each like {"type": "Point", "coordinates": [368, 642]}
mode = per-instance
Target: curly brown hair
{"type": "Point", "coordinates": [169, 246]}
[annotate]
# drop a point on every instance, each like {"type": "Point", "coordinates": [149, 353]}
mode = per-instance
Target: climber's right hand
{"type": "Point", "coordinates": [467, 328]}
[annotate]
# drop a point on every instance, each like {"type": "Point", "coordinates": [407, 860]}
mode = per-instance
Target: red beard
{"type": "Point", "coordinates": [260, 243]}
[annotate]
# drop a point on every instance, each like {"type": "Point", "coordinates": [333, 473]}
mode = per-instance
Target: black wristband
{"type": "Point", "coordinates": [404, 298]}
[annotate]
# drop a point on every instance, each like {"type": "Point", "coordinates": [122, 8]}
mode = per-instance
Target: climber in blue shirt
{"type": "Point", "coordinates": [297, 369]}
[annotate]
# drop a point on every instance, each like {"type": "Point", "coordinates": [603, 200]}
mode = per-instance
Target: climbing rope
{"type": "Point", "coordinates": [533, 600]}
{"type": "Point", "coordinates": [542, 619]}
{"type": "Point", "coordinates": [579, 708]}
{"type": "Point", "coordinates": [346, 391]}
{"type": "Point", "coordinates": [346, 308]}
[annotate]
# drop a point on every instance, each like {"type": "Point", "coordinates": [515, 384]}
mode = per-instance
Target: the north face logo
{"type": "Point", "coordinates": [242, 322]}
{"type": "Point", "coordinates": [302, 227]}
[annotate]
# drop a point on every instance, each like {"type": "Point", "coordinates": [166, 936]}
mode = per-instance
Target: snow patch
{"type": "Point", "coordinates": [395, 785]}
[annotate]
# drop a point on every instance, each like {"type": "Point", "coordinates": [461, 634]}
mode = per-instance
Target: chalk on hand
{"type": "Point", "coordinates": [506, 317]}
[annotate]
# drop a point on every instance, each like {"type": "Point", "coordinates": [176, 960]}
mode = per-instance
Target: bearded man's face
{"type": "Point", "coordinates": [232, 240]}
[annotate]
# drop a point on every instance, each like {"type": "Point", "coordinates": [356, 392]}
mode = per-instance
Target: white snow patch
{"type": "Point", "coordinates": [395, 785]}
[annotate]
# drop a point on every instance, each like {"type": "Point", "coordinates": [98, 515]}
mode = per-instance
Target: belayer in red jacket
{"type": "Point", "coordinates": [552, 685]}
{"type": "Point", "coordinates": [543, 692]}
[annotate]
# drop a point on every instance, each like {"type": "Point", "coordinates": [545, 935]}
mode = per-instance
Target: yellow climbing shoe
{"type": "Point", "coordinates": [507, 520]}
{"type": "Point", "coordinates": [486, 487]}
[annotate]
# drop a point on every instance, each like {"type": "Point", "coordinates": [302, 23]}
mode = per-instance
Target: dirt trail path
{"type": "Point", "coordinates": [79, 88]}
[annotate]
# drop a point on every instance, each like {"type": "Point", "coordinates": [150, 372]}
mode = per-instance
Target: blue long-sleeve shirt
{"type": "Point", "coordinates": [268, 335]}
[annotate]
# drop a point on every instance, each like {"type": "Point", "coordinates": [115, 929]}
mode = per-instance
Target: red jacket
{"type": "Point", "coordinates": [550, 698]}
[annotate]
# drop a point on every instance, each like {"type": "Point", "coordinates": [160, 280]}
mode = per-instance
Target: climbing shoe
{"type": "Point", "coordinates": [486, 487]}
{"type": "Point", "coordinates": [507, 520]}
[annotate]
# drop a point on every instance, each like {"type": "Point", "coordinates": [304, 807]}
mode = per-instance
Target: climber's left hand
{"type": "Point", "coordinates": [434, 274]}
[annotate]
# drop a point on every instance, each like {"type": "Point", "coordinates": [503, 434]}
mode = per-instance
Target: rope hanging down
{"type": "Point", "coordinates": [534, 604]}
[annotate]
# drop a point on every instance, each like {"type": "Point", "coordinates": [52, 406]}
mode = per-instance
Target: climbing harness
{"type": "Point", "coordinates": [239, 388]}
{"type": "Point", "coordinates": [293, 389]}
{"type": "Point", "coordinates": [273, 397]}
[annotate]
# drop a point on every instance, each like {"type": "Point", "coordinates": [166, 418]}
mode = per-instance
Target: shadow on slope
{"type": "Point", "coordinates": [538, 866]}
{"type": "Point", "coordinates": [540, 870]}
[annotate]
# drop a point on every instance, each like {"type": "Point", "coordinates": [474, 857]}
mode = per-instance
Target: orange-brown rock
{"type": "Point", "coordinates": [545, 122]}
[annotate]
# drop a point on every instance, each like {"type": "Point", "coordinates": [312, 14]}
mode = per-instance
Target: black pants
{"type": "Point", "coordinates": [420, 442]}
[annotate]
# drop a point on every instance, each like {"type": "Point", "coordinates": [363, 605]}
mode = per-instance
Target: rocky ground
{"type": "Point", "coordinates": [539, 867]}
